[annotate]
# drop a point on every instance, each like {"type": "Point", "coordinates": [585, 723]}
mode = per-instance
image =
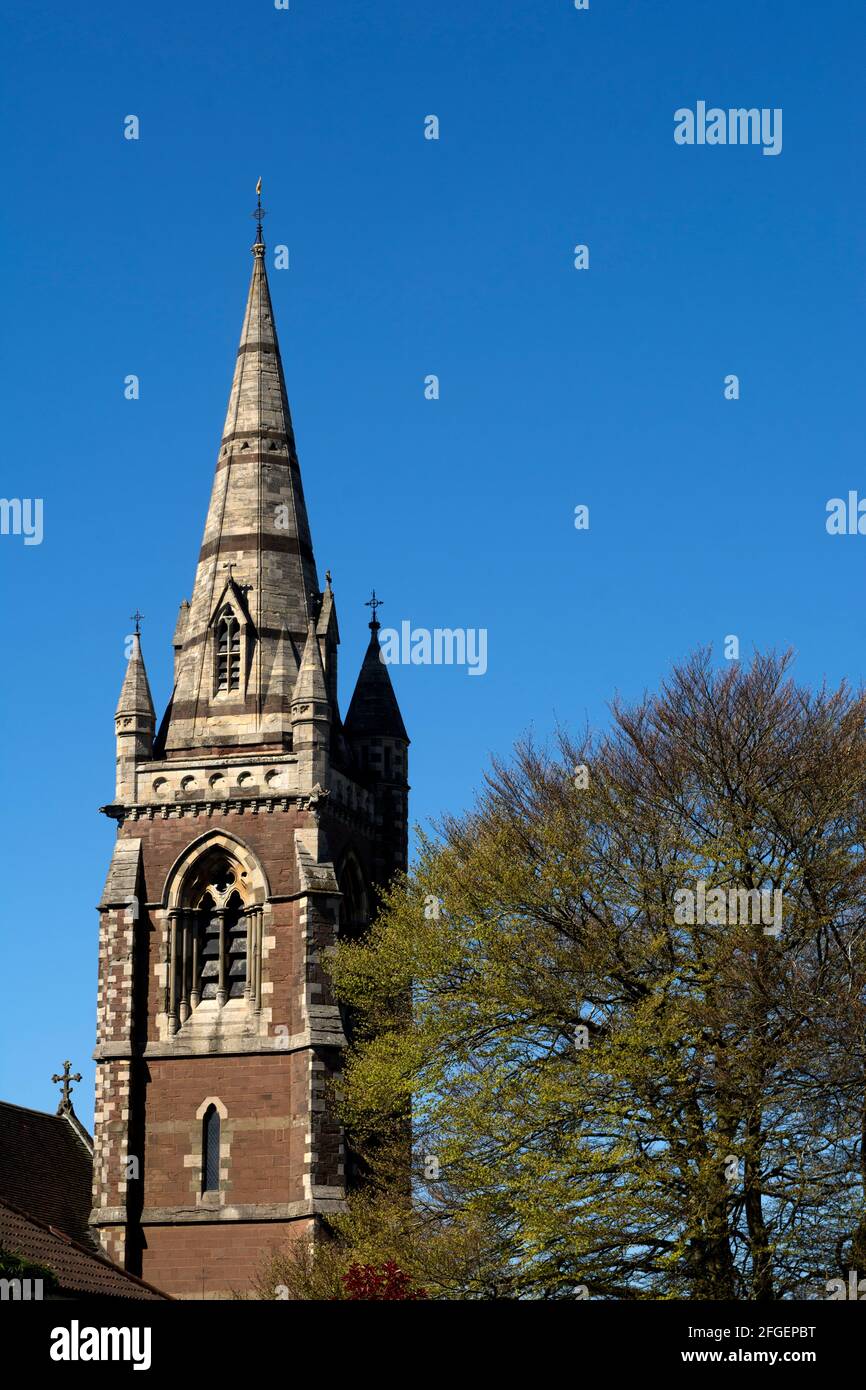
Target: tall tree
{"type": "Point", "coordinates": [635, 1053]}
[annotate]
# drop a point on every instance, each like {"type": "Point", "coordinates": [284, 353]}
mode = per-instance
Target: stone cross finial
{"type": "Point", "coordinates": [374, 603]}
{"type": "Point", "coordinates": [66, 1094]}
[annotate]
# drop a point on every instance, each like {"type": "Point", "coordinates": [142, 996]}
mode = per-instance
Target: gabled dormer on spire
{"type": "Point", "coordinates": [230, 642]}
{"type": "Point", "coordinates": [256, 535]}
{"type": "Point", "coordinates": [134, 722]}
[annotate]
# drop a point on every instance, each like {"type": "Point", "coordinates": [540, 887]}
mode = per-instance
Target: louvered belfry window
{"type": "Point", "coordinates": [235, 938]}
{"type": "Point", "coordinates": [228, 652]}
{"type": "Point", "coordinates": [210, 1168]}
{"type": "Point", "coordinates": [210, 951]}
{"type": "Point", "coordinates": [215, 943]}
{"type": "Point", "coordinates": [236, 948]}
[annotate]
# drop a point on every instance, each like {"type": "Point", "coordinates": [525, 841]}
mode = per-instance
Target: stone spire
{"type": "Point", "coordinates": [311, 716]}
{"type": "Point", "coordinates": [134, 722]}
{"type": "Point", "coordinates": [256, 540]}
{"type": "Point", "coordinates": [135, 697]}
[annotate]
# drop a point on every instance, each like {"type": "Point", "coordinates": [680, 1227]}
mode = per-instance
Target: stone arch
{"type": "Point", "coordinates": [219, 1107]}
{"type": "Point", "coordinates": [192, 866]}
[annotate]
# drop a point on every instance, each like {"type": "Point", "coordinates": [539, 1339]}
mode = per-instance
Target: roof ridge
{"type": "Point", "coordinates": [28, 1110]}
{"type": "Point", "coordinates": [82, 1135]}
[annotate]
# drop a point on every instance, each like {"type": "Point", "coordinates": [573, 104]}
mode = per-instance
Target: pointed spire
{"type": "Point", "coordinates": [134, 723]}
{"type": "Point", "coordinates": [257, 523]}
{"type": "Point", "coordinates": [311, 684]}
{"type": "Point", "coordinates": [373, 710]}
{"type": "Point", "coordinates": [180, 625]}
{"type": "Point", "coordinates": [284, 673]}
{"type": "Point", "coordinates": [135, 696]}
{"type": "Point", "coordinates": [311, 718]}
{"type": "Point", "coordinates": [327, 612]}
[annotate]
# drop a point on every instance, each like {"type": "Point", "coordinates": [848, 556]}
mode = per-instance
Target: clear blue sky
{"type": "Point", "coordinates": [411, 257]}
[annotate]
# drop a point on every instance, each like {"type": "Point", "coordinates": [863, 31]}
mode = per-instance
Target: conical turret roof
{"type": "Point", "coordinates": [374, 710]}
{"type": "Point", "coordinates": [135, 696]}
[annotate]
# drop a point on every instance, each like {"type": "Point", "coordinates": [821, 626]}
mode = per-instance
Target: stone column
{"type": "Point", "coordinates": [194, 994]}
{"type": "Point", "coordinates": [183, 1012]}
{"type": "Point", "coordinates": [173, 916]}
{"type": "Point", "coordinates": [248, 982]}
{"type": "Point", "coordinates": [257, 956]}
{"type": "Point", "coordinates": [221, 987]}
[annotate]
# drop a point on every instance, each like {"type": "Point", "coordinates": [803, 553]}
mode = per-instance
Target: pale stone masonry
{"type": "Point", "coordinates": [253, 831]}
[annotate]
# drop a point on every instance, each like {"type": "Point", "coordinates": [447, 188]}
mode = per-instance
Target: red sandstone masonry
{"type": "Point", "coordinates": [275, 1150]}
{"type": "Point", "coordinates": [270, 836]}
{"type": "Point", "coordinates": [223, 1258]}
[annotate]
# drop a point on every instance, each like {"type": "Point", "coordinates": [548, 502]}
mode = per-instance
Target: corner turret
{"type": "Point", "coordinates": [134, 722]}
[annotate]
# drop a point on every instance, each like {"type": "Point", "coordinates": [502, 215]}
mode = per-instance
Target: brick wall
{"type": "Point", "coordinates": [215, 1261]}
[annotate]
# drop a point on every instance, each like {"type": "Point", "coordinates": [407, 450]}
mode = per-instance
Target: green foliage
{"type": "Point", "coordinates": [706, 1142]}
{"type": "Point", "coordinates": [447, 1258]}
{"type": "Point", "coordinates": [14, 1266]}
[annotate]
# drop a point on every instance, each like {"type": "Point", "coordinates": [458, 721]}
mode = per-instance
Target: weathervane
{"type": "Point", "coordinates": [259, 213]}
{"type": "Point", "coordinates": [136, 618]}
{"type": "Point", "coordinates": [64, 1079]}
{"type": "Point", "coordinates": [374, 603]}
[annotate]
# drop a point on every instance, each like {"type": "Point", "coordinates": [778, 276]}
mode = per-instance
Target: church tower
{"type": "Point", "coordinates": [253, 830]}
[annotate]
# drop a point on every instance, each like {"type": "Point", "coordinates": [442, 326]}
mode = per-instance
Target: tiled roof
{"type": "Point", "coordinates": [79, 1271]}
{"type": "Point", "coordinates": [46, 1168]}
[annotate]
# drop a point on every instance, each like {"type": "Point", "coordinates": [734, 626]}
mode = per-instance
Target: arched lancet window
{"type": "Point", "coordinates": [228, 652]}
{"type": "Point", "coordinates": [354, 909]}
{"type": "Point", "coordinates": [210, 1150]}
